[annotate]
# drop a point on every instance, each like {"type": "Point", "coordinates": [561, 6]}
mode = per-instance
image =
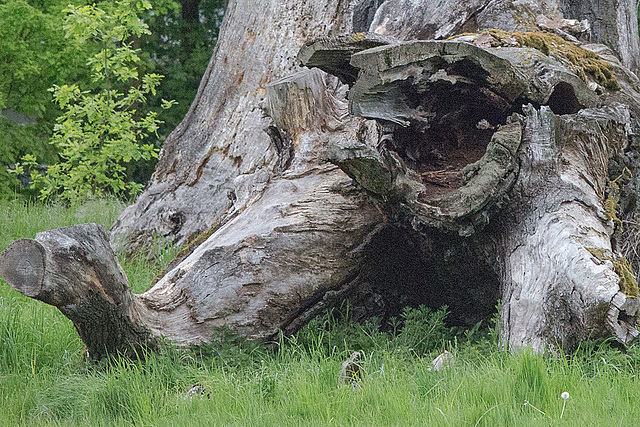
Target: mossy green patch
{"type": "Point", "coordinates": [461, 35]}
{"type": "Point", "coordinates": [387, 59]}
{"type": "Point", "coordinates": [610, 206]}
{"type": "Point", "coordinates": [628, 283]}
{"type": "Point", "coordinates": [585, 63]}
{"type": "Point", "coordinates": [611, 203]}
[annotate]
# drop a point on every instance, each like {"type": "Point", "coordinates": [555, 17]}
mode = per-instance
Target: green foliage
{"type": "Point", "coordinates": [24, 33]}
{"type": "Point", "coordinates": [419, 332]}
{"type": "Point", "coordinates": [424, 330]}
{"type": "Point", "coordinates": [99, 131]}
{"type": "Point", "coordinates": [35, 55]}
{"type": "Point", "coordinates": [335, 333]}
{"type": "Point", "coordinates": [531, 378]}
{"type": "Point", "coordinates": [16, 140]}
{"type": "Point", "coordinates": [230, 350]}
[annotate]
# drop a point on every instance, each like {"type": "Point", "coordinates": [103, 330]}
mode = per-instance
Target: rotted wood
{"type": "Point", "coordinates": [481, 151]}
{"type": "Point", "coordinates": [333, 54]}
{"type": "Point", "coordinates": [554, 290]}
{"type": "Point", "coordinates": [449, 142]}
{"type": "Point", "coordinates": [463, 149]}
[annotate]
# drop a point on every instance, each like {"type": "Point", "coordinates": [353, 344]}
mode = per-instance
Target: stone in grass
{"type": "Point", "coordinates": [444, 360]}
{"type": "Point", "coordinates": [351, 372]}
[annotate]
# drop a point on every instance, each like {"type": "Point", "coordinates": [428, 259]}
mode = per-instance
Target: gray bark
{"type": "Point", "coordinates": [533, 202]}
{"type": "Point", "coordinates": [289, 197]}
{"type": "Point", "coordinates": [554, 287]}
{"type": "Point", "coordinates": [297, 250]}
{"type": "Point", "coordinates": [613, 23]}
{"type": "Point", "coordinates": [220, 156]}
{"type": "Point", "coordinates": [608, 22]}
{"type": "Point", "coordinates": [364, 13]}
{"type": "Point", "coordinates": [75, 269]}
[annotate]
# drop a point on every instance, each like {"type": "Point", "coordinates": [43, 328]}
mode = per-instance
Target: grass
{"type": "Point", "coordinates": [44, 379]}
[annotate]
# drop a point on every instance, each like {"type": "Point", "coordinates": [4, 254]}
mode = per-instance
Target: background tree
{"type": "Point", "coordinates": [34, 56]}
{"type": "Point", "coordinates": [37, 56]}
{"type": "Point", "coordinates": [99, 131]}
{"type": "Point", "coordinates": [179, 47]}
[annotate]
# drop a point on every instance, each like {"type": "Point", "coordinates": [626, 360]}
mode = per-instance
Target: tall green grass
{"type": "Point", "coordinates": [44, 379]}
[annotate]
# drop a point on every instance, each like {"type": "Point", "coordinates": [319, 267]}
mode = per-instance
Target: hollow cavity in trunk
{"type": "Point", "coordinates": [452, 128]}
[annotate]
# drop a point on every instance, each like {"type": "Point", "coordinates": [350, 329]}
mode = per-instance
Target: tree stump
{"type": "Point", "coordinates": [458, 172]}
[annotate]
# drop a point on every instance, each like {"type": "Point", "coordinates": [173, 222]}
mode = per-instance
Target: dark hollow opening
{"type": "Point", "coordinates": [177, 221]}
{"type": "Point", "coordinates": [406, 269]}
{"type": "Point", "coordinates": [563, 99]}
{"type": "Point", "coordinates": [451, 128]}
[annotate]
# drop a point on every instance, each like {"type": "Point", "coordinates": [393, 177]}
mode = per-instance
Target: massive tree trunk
{"type": "Point", "coordinates": [406, 172]}
{"type": "Point", "coordinates": [221, 156]}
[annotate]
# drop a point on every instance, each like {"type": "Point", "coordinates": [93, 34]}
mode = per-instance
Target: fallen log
{"type": "Point", "coordinates": [268, 268]}
{"type": "Point", "coordinates": [75, 270]}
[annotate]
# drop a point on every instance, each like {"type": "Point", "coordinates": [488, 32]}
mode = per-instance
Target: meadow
{"type": "Point", "coordinates": [46, 380]}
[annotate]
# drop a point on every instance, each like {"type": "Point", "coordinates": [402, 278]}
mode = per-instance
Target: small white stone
{"type": "Point", "coordinates": [445, 360]}
{"type": "Point", "coordinates": [595, 87]}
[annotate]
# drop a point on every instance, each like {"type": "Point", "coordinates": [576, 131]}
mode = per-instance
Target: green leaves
{"type": "Point", "coordinates": [100, 130]}
{"type": "Point", "coordinates": [47, 43]}
{"type": "Point", "coordinates": [27, 53]}
{"type": "Point", "coordinates": [114, 22]}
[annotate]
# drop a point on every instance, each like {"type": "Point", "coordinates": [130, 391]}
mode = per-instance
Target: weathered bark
{"type": "Point", "coordinates": [555, 286]}
{"type": "Point", "coordinates": [220, 156]}
{"type": "Point", "coordinates": [549, 169]}
{"type": "Point", "coordinates": [75, 269]}
{"type": "Point", "coordinates": [609, 22]}
{"type": "Point", "coordinates": [459, 172]}
{"type": "Point", "coordinates": [269, 268]}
